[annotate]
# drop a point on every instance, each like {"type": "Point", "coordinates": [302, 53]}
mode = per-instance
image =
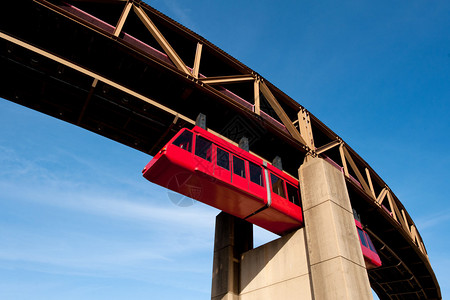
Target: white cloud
{"type": "Point", "coordinates": [114, 228]}
{"type": "Point", "coordinates": [103, 202]}
{"type": "Point", "coordinates": [430, 221]}
{"type": "Point", "coordinates": [182, 14]}
{"type": "Point", "coordinates": [142, 201]}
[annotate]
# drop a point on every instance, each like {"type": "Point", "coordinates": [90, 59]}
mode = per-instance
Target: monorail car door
{"type": "Point", "coordinates": [239, 175]}
{"type": "Point", "coordinates": [203, 157]}
{"type": "Point", "coordinates": [222, 167]}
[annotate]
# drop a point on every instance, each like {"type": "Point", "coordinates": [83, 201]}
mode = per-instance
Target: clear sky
{"type": "Point", "coordinates": [77, 220]}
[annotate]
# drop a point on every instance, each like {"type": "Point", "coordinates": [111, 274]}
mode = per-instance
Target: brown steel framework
{"type": "Point", "coordinates": [124, 70]}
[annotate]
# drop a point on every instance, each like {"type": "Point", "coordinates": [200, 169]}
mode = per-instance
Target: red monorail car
{"type": "Point", "coordinates": [371, 257]}
{"type": "Point", "coordinates": [202, 166]}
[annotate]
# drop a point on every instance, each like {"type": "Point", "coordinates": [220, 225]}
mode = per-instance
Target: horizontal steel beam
{"type": "Point", "coordinates": [92, 74]}
{"type": "Point", "coordinates": [227, 79]}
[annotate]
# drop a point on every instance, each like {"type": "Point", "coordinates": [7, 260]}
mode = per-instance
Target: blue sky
{"type": "Point", "coordinates": [77, 220]}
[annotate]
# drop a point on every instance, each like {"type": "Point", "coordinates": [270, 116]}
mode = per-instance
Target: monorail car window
{"type": "Point", "coordinates": [362, 238]}
{"type": "Point", "coordinates": [277, 185]}
{"type": "Point", "coordinates": [255, 174]}
{"type": "Point", "coordinates": [223, 159]}
{"type": "Point", "coordinates": [184, 141]}
{"type": "Point", "coordinates": [292, 192]}
{"type": "Point", "coordinates": [369, 241]}
{"type": "Point", "coordinates": [238, 166]}
{"type": "Point", "coordinates": [203, 148]}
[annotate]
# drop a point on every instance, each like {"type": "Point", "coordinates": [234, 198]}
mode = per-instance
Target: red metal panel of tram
{"type": "Point", "coordinates": [370, 254]}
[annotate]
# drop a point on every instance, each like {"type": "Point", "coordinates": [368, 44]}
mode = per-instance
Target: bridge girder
{"type": "Point", "coordinates": [132, 74]}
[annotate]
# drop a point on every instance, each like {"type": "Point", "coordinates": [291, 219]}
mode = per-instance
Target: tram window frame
{"type": "Point", "coordinates": [362, 237]}
{"type": "Point", "coordinates": [276, 189]}
{"type": "Point", "coordinates": [227, 167]}
{"type": "Point", "coordinates": [256, 170]}
{"type": "Point", "coordinates": [293, 190]}
{"type": "Point", "coordinates": [183, 139]}
{"type": "Point", "coordinates": [242, 167]}
{"type": "Point", "coordinates": [369, 242]}
{"type": "Point", "coordinates": [206, 151]}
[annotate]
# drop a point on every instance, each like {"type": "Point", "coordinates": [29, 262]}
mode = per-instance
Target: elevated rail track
{"type": "Point", "coordinates": [126, 71]}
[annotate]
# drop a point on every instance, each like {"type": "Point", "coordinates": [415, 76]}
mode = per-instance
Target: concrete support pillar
{"type": "Point", "coordinates": [336, 263]}
{"type": "Point", "coordinates": [277, 270]}
{"type": "Point", "coordinates": [233, 237]}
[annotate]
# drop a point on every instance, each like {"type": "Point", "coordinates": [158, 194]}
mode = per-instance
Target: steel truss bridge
{"type": "Point", "coordinates": [125, 71]}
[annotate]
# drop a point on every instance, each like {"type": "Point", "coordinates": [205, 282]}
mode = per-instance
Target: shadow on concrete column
{"type": "Point", "coordinates": [233, 237]}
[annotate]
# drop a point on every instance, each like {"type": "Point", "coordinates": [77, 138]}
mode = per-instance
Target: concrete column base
{"type": "Point", "coordinates": [277, 270]}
